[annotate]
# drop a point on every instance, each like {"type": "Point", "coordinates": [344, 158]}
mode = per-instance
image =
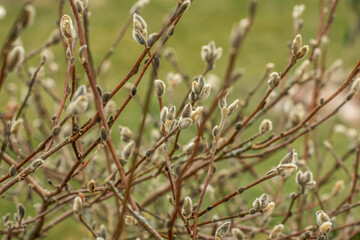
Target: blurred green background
{"type": "Point", "coordinates": [206, 20]}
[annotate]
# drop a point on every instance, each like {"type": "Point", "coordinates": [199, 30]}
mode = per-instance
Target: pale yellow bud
{"type": "Point", "coordinates": [338, 187]}
{"type": "Point", "coordinates": [265, 126]}
{"type": "Point", "coordinates": [78, 206]}
{"type": "Point", "coordinates": [67, 28]}
{"type": "Point", "coordinates": [302, 52]}
{"type": "Point", "coordinates": [130, 220]}
{"type": "Point", "coordinates": [274, 80]}
{"type": "Point", "coordinates": [269, 209]}
{"type": "Point", "coordinates": [276, 231]}
{"type": "Point", "coordinates": [325, 227]}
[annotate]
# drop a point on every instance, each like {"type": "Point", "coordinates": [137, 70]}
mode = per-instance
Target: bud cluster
{"type": "Point", "coordinates": [297, 49]}
{"type": "Point", "coordinates": [139, 29]}
{"type": "Point", "coordinates": [199, 90]}
{"type": "Point", "coordinates": [305, 181]}
{"type": "Point", "coordinates": [210, 54]}
{"type": "Point", "coordinates": [323, 221]}
{"type": "Point", "coordinates": [262, 205]}
{"type": "Point", "coordinates": [287, 165]}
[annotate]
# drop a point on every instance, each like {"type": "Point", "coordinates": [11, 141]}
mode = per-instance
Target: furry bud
{"type": "Point", "coordinates": [140, 4]}
{"type": "Point", "coordinates": [125, 134]}
{"type": "Point", "coordinates": [222, 231]}
{"type": "Point", "coordinates": [21, 211]}
{"type": "Point", "coordinates": [152, 39]}
{"type": "Point", "coordinates": [276, 231]}
{"type": "Point", "coordinates": [209, 53]}
{"type": "Point", "coordinates": [322, 217]}
{"type": "Point", "coordinates": [130, 220]}
{"type": "Point", "coordinates": [27, 17]}
{"type": "Point", "coordinates": [187, 207]}
{"type": "Point", "coordinates": [186, 112]}
{"type": "Point", "coordinates": [233, 106]}
{"type": "Point", "coordinates": [196, 114]}
{"type": "Point", "coordinates": [274, 80]}
{"type": "Point", "coordinates": [238, 234]}
{"type": "Point", "coordinates": [163, 114]}
{"type": "Point", "coordinates": [2, 12]}
{"type": "Point", "coordinates": [325, 227]}
{"type": "Point", "coordinates": [55, 131]}
{"type": "Point", "coordinates": [185, 122]}
{"type": "Point", "coordinates": [192, 96]}
{"type": "Point", "coordinates": [78, 205]}
{"type": "Point", "coordinates": [159, 87]}
{"type": "Point", "coordinates": [103, 134]}
{"type": "Point", "coordinates": [12, 170]}
{"type": "Point", "coordinates": [296, 45]}
{"type": "Point", "coordinates": [128, 150]}
{"type": "Point", "coordinates": [79, 106]}
{"type": "Point", "coordinates": [79, 6]}
{"type": "Point", "coordinates": [82, 51]}
{"type": "Point", "coordinates": [302, 52]}
{"type": "Point", "coordinates": [269, 209]}
{"type": "Point", "coordinates": [67, 28]}
{"type": "Point", "coordinates": [36, 164]}
{"type": "Point", "coordinates": [139, 29]}
{"type": "Point", "coordinates": [133, 91]}
{"type": "Point", "coordinates": [289, 158]}
{"type": "Point", "coordinates": [198, 84]}
{"type": "Point", "coordinates": [338, 187]}
{"type": "Point", "coordinates": [105, 97]}
{"type": "Point", "coordinates": [79, 92]}
{"type": "Point", "coordinates": [222, 101]}
{"type": "Point", "coordinates": [205, 92]}
{"type": "Point", "coordinates": [15, 58]}
{"type": "Point", "coordinates": [285, 170]}
{"type": "Point", "coordinates": [183, 7]}
{"type": "Point", "coordinates": [355, 87]}
{"type": "Point", "coordinates": [265, 126]}
{"type": "Point", "coordinates": [170, 31]}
